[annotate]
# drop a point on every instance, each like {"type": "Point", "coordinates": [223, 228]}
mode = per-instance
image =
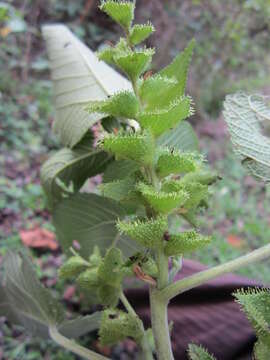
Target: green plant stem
{"type": "Point", "coordinates": [73, 346]}
{"type": "Point", "coordinates": [162, 263]}
{"type": "Point", "coordinates": [144, 343]}
{"type": "Point", "coordinates": [159, 319]}
{"type": "Point", "coordinates": [190, 282]}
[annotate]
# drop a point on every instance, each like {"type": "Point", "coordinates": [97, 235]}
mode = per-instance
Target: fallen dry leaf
{"type": "Point", "coordinates": [235, 241]}
{"type": "Point", "coordinates": [39, 238]}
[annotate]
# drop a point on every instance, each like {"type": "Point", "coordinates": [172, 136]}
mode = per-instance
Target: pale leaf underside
{"type": "Point", "coordinates": [243, 114]}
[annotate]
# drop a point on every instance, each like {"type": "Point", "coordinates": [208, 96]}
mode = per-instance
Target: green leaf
{"type": "Point", "coordinates": [78, 77]}
{"type": "Point", "coordinates": [261, 350]}
{"type": "Point", "coordinates": [139, 147]}
{"type": "Point", "coordinates": [90, 219]}
{"type": "Point", "coordinates": [139, 33]}
{"type": "Point", "coordinates": [31, 304]}
{"type": "Point", "coordinates": [182, 138]}
{"type": "Point", "coordinates": [185, 242]}
{"type": "Point", "coordinates": [147, 233]}
{"type": "Point", "coordinates": [160, 121]}
{"type": "Point", "coordinates": [134, 63]}
{"type": "Point", "coordinates": [80, 326]}
{"type": "Point", "coordinates": [243, 114]}
{"type": "Point", "coordinates": [163, 201]}
{"type": "Point", "coordinates": [71, 166]}
{"type": "Point", "coordinates": [179, 69]}
{"type": "Point", "coordinates": [119, 189]}
{"type": "Point", "coordinates": [118, 170]}
{"type": "Point", "coordinates": [121, 12]}
{"type": "Point", "coordinates": [196, 352]}
{"type": "Point", "coordinates": [123, 104]}
{"type": "Point", "coordinates": [154, 90]}
{"type": "Point", "coordinates": [175, 162]}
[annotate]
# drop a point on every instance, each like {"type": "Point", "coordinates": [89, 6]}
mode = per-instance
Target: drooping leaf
{"type": "Point", "coordinates": [179, 69]}
{"type": "Point", "coordinates": [196, 352]}
{"type": "Point", "coordinates": [71, 166]}
{"type": "Point", "coordinates": [78, 77]}
{"type": "Point", "coordinates": [30, 303]}
{"type": "Point", "coordinates": [243, 114]}
{"type": "Point", "coordinates": [139, 33]}
{"type": "Point", "coordinates": [80, 326]}
{"type": "Point", "coordinates": [90, 219]}
{"type": "Point", "coordinates": [160, 121]}
{"type": "Point", "coordinates": [182, 138]}
{"type": "Point", "coordinates": [120, 11]}
{"type": "Point", "coordinates": [118, 170]}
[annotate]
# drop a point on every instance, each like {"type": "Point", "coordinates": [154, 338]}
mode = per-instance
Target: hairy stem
{"type": "Point", "coordinates": [73, 346]}
{"type": "Point", "coordinates": [200, 278]}
{"type": "Point", "coordinates": [144, 344]}
{"type": "Point", "coordinates": [160, 326]}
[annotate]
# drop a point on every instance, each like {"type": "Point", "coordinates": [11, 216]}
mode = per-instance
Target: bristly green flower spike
{"type": "Point", "coordinates": [139, 33]}
{"type": "Point", "coordinates": [175, 162]}
{"type": "Point", "coordinates": [88, 280]}
{"type": "Point", "coordinates": [123, 104]}
{"type": "Point", "coordinates": [134, 146]}
{"type": "Point", "coordinates": [163, 201]}
{"type": "Point", "coordinates": [108, 295]}
{"type": "Point", "coordinates": [121, 12]}
{"type": "Point", "coordinates": [159, 121]}
{"type": "Point", "coordinates": [117, 325]}
{"type": "Point", "coordinates": [185, 242]}
{"type": "Point", "coordinates": [109, 272]}
{"type": "Point", "coordinates": [148, 233]}
{"type": "Point", "coordinates": [108, 53]}
{"type": "Point", "coordinates": [196, 352]}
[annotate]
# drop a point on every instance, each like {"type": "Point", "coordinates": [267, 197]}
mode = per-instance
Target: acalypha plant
{"type": "Point", "coordinates": [152, 174]}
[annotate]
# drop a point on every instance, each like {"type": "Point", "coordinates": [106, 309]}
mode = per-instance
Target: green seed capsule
{"type": "Point", "coordinates": [72, 267]}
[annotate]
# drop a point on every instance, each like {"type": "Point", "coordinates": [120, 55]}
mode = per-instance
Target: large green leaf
{"type": "Point", "coordinates": [90, 219]}
{"type": "Point", "coordinates": [78, 77]}
{"type": "Point", "coordinates": [71, 165]}
{"type": "Point", "coordinates": [244, 114]}
{"type": "Point", "coordinates": [182, 137]}
{"type": "Point", "coordinates": [25, 301]}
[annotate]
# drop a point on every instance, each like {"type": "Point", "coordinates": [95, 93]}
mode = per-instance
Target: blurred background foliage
{"type": "Point", "coordinates": [232, 53]}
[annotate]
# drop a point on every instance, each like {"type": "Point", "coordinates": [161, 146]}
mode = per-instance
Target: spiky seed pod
{"type": "Point", "coordinates": [148, 233]}
{"type": "Point", "coordinates": [123, 104]}
{"type": "Point", "coordinates": [139, 147]}
{"type": "Point", "coordinates": [196, 352]}
{"type": "Point", "coordinates": [108, 295]}
{"type": "Point", "coordinates": [117, 325]}
{"type": "Point", "coordinates": [185, 242]}
{"type": "Point", "coordinates": [163, 201]}
{"type": "Point", "coordinates": [95, 258]}
{"type": "Point", "coordinates": [153, 92]}
{"type": "Point", "coordinates": [121, 12]}
{"type": "Point", "coordinates": [134, 63]}
{"type": "Point", "coordinates": [159, 121]}
{"type": "Point", "coordinates": [109, 272]}
{"type": "Point", "coordinates": [119, 189]}
{"type": "Point", "coordinates": [139, 33]}
{"type": "Point", "coordinates": [72, 267]}
{"type": "Point", "coordinates": [175, 162]}
{"type": "Point", "coordinates": [256, 305]}
{"type": "Point", "coordinates": [203, 177]}
{"type": "Point", "coordinates": [88, 279]}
